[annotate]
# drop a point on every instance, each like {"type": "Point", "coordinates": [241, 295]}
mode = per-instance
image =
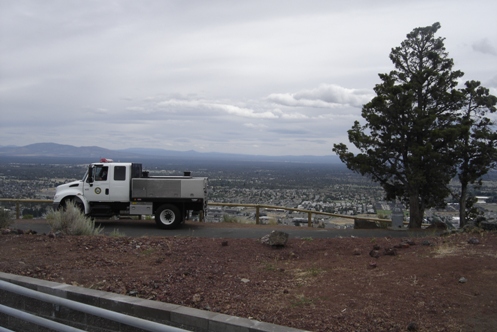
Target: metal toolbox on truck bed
{"type": "Point", "coordinates": [140, 208]}
{"type": "Point", "coordinates": [168, 188]}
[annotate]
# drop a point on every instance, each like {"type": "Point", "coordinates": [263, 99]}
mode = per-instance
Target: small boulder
{"type": "Point", "coordinates": [374, 253]}
{"type": "Point", "coordinates": [473, 240]}
{"type": "Point", "coordinates": [390, 251]}
{"type": "Point", "coordinates": [275, 239]}
{"type": "Point", "coordinates": [412, 326]}
{"type": "Point", "coordinates": [196, 298]}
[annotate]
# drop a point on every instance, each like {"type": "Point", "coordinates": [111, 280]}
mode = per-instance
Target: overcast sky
{"type": "Point", "coordinates": [252, 77]}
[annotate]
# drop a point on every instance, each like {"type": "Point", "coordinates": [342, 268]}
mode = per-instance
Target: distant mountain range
{"type": "Point", "coordinates": [135, 154]}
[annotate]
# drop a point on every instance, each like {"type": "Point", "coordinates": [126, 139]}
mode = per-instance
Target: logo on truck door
{"type": "Point", "coordinates": [98, 190]}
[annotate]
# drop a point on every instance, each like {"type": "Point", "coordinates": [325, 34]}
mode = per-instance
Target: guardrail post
{"type": "Point", "coordinates": [309, 219]}
{"type": "Point", "coordinates": [18, 213]}
{"type": "Point", "coordinates": [257, 215]}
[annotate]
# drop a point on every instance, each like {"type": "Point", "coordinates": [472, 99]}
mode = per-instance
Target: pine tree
{"type": "Point", "coordinates": [477, 145]}
{"type": "Point", "coordinates": [408, 140]}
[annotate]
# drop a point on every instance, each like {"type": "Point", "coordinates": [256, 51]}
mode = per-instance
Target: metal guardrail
{"type": "Point", "coordinates": [256, 206]}
{"type": "Point", "coordinates": [18, 202]}
{"type": "Point", "coordinates": [38, 321]}
{"type": "Point", "coordinates": [309, 212]}
{"type": "Point", "coordinates": [77, 306]}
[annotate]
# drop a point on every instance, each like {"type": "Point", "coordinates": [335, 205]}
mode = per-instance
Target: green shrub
{"type": "Point", "coordinates": [72, 221]}
{"type": "Point", "coordinates": [5, 218]}
{"type": "Point", "coordinates": [27, 216]}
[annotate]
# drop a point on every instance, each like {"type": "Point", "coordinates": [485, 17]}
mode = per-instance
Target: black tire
{"type": "Point", "coordinates": [168, 216]}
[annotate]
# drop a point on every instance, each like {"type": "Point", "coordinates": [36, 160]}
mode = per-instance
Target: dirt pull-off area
{"type": "Point", "coordinates": [339, 284]}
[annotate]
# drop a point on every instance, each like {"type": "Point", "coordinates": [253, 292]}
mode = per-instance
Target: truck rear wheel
{"type": "Point", "coordinates": [168, 216]}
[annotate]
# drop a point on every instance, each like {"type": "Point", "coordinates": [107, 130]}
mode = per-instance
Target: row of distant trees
{"type": "Point", "coordinates": [422, 129]}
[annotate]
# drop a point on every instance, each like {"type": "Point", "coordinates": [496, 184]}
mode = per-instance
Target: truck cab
{"type": "Point", "coordinates": [108, 182]}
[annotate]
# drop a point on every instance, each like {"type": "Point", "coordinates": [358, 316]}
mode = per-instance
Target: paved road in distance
{"type": "Point", "coordinates": [137, 228]}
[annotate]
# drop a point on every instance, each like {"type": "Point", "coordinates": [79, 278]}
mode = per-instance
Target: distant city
{"type": "Point", "coordinates": [311, 186]}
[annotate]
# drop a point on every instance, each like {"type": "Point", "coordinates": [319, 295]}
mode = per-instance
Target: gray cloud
{"type": "Point", "coordinates": [492, 82]}
{"type": "Point", "coordinates": [484, 46]}
{"type": "Point", "coordinates": [225, 108]}
{"type": "Point", "coordinates": [255, 77]}
{"type": "Point", "coordinates": [324, 96]}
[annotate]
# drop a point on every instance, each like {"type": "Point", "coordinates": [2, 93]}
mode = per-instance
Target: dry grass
{"type": "Point", "coordinates": [72, 221]}
{"type": "Point", "coordinates": [446, 249]}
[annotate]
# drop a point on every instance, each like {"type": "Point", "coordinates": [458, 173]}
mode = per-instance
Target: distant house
{"type": "Point", "coordinates": [482, 199]}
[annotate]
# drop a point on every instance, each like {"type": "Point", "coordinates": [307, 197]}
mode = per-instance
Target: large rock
{"type": "Point", "coordinates": [275, 238]}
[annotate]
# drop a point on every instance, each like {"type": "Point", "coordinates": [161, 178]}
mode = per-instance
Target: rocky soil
{"type": "Point", "coordinates": [423, 283]}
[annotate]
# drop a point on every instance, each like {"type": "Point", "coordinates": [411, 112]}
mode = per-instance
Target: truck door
{"type": "Point", "coordinates": [99, 189]}
{"type": "Point", "coordinates": [119, 183]}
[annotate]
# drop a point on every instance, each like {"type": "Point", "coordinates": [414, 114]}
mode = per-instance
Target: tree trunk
{"type": "Point", "coordinates": [462, 204]}
{"type": "Point", "coordinates": [415, 213]}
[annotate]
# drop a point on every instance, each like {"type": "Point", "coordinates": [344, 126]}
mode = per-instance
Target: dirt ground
{"type": "Point", "coordinates": [427, 283]}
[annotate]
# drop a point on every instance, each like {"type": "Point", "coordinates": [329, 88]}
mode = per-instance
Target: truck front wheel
{"type": "Point", "coordinates": [168, 216]}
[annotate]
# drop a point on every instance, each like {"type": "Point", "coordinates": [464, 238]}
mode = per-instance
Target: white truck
{"type": "Point", "coordinates": [111, 188]}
